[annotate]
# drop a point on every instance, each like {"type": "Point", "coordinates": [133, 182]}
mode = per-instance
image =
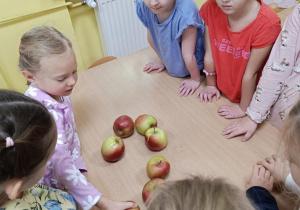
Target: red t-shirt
{"type": "Point", "coordinates": [231, 50]}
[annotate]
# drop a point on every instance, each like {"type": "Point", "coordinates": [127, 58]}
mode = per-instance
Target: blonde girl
{"type": "Point", "coordinates": [287, 170]}
{"type": "Point", "coordinates": [199, 193]}
{"type": "Point", "coordinates": [48, 63]}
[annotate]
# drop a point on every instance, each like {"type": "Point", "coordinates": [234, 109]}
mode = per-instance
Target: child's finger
{"type": "Point", "coordinates": [255, 170]}
{"type": "Point", "coordinates": [205, 97]}
{"type": "Point", "coordinates": [149, 70]}
{"type": "Point", "coordinates": [259, 162]}
{"type": "Point", "coordinates": [187, 92]}
{"type": "Point", "coordinates": [228, 115]}
{"type": "Point", "coordinates": [182, 83]}
{"type": "Point", "coordinates": [218, 95]}
{"type": "Point", "coordinates": [180, 89]}
{"type": "Point", "coordinates": [182, 92]}
{"type": "Point", "coordinates": [271, 180]}
{"type": "Point", "coordinates": [233, 134]}
{"type": "Point", "coordinates": [247, 136]}
{"type": "Point", "coordinates": [231, 127]}
{"type": "Point", "coordinates": [209, 97]}
{"type": "Point", "coordinates": [224, 113]}
{"type": "Point", "coordinates": [146, 67]}
{"type": "Point", "coordinates": [261, 171]}
{"type": "Point", "coordinates": [267, 174]}
{"type": "Point", "coordinates": [270, 159]}
{"type": "Point", "coordinates": [191, 92]}
{"type": "Point", "coordinates": [128, 205]}
{"type": "Point", "coordinates": [201, 96]}
{"type": "Point", "coordinates": [274, 157]}
{"type": "Point", "coordinates": [160, 69]}
{"type": "Point", "coordinates": [266, 165]}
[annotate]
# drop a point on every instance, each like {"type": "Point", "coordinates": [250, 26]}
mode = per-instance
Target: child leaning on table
{"type": "Point", "coordinates": [27, 141]}
{"type": "Point", "coordinates": [200, 193]}
{"type": "Point", "coordinates": [279, 86]}
{"type": "Point", "coordinates": [176, 33]}
{"type": "Point", "coordinates": [239, 36]}
{"type": "Point", "coordinates": [287, 170]}
{"type": "Point", "coordinates": [48, 62]}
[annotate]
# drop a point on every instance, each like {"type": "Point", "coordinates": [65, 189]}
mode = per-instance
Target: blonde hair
{"type": "Point", "coordinates": [290, 134]}
{"type": "Point", "coordinates": [199, 193]}
{"type": "Point", "coordinates": [39, 42]}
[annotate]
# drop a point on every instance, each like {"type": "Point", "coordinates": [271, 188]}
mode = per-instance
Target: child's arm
{"type": "Point", "coordinates": [255, 63]}
{"type": "Point", "coordinates": [153, 66]}
{"type": "Point", "coordinates": [211, 81]}
{"type": "Point", "coordinates": [188, 43]}
{"type": "Point", "coordinates": [259, 187]}
{"type": "Point", "coordinates": [107, 204]}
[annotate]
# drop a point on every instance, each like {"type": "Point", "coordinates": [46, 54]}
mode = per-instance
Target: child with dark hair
{"type": "Point", "coordinates": [27, 141]}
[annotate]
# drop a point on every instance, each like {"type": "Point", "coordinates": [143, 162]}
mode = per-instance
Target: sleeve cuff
{"type": "Point", "coordinates": [255, 116]}
{"type": "Point", "coordinates": [291, 184]}
{"type": "Point", "coordinates": [261, 198]}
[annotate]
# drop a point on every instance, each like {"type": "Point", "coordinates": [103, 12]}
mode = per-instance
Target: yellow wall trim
{"type": "Point", "coordinates": [33, 13]}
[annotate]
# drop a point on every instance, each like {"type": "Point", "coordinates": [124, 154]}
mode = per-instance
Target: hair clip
{"type": "Point", "coordinates": [9, 142]}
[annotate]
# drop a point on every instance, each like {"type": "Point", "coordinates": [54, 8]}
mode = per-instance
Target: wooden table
{"type": "Point", "coordinates": [195, 144]}
{"type": "Point", "coordinates": [284, 13]}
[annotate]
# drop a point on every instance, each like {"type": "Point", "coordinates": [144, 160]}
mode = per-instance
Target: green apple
{"type": "Point", "coordinates": [144, 122]}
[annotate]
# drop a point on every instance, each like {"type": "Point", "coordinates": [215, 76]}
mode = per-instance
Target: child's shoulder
{"type": "Point", "coordinates": [211, 6]}
{"type": "Point", "coordinates": [186, 6]}
{"type": "Point", "coordinates": [36, 93]}
{"type": "Point", "coordinates": [45, 99]}
{"type": "Point", "coordinates": [267, 13]}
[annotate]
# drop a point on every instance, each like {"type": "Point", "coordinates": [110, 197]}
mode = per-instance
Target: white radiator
{"type": "Point", "coordinates": [121, 32]}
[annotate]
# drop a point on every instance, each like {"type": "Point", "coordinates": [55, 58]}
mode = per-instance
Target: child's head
{"type": "Point", "coordinates": [48, 61]}
{"type": "Point", "coordinates": [290, 135]}
{"type": "Point", "coordinates": [199, 193]}
{"type": "Point", "coordinates": [160, 7]}
{"type": "Point", "coordinates": [27, 140]}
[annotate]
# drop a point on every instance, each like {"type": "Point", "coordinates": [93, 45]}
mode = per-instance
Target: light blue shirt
{"type": "Point", "coordinates": [167, 35]}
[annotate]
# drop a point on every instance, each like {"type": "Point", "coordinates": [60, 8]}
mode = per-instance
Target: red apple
{"type": "Point", "coordinates": [123, 126]}
{"type": "Point", "coordinates": [144, 122]}
{"type": "Point", "coordinates": [112, 148]}
{"type": "Point", "coordinates": [156, 139]}
{"type": "Point", "coordinates": [149, 187]}
{"type": "Point", "coordinates": [135, 208]}
{"type": "Point", "coordinates": [158, 167]}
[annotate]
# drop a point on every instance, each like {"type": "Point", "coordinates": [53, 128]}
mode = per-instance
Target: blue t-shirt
{"type": "Point", "coordinates": [167, 35]}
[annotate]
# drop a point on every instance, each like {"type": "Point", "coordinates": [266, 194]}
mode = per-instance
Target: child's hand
{"type": "Point", "coordinates": [188, 87]}
{"type": "Point", "coordinates": [278, 166]}
{"type": "Point", "coordinates": [231, 111]}
{"type": "Point", "coordinates": [107, 204]}
{"type": "Point", "coordinates": [207, 93]}
{"type": "Point", "coordinates": [243, 126]}
{"type": "Point", "coordinates": [154, 66]}
{"type": "Point", "coordinates": [260, 177]}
